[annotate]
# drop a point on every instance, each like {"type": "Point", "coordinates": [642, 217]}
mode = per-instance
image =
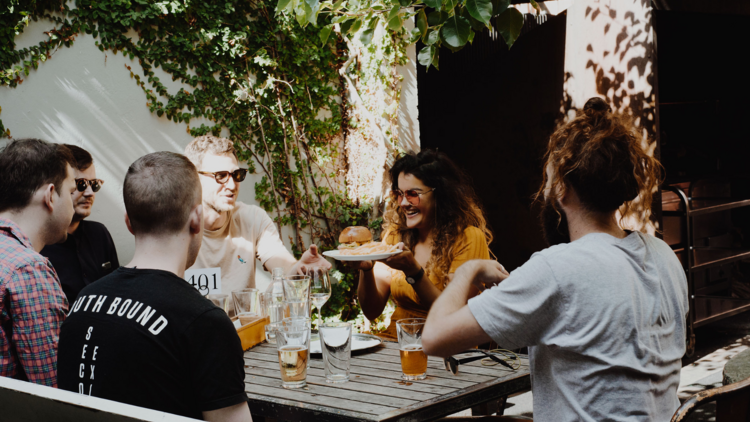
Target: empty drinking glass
{"type": "Point", "coordinates": [296, 308]}
{"type": "Point", "coordinates": [270, 331]}
{"type": "Point", "coordinates": [413, 358]}
{"type": "Point", "coordinates": [245, 304]}
{"type": "Point", "coordinates": [336, 345]}
{"type": "Point", "coordinates": [296, 287]}
{"type": "Point", "coordinates": [272, 306]}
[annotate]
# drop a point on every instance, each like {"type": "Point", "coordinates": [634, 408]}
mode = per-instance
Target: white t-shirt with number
{"type": "Point", "coordinates": [248, 233]}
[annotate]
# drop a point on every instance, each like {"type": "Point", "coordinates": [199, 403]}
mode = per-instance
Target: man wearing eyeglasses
{"type": "Point", "coordinates": [88, 253]}
{"type": "Point", "coordinates": [234, 233]}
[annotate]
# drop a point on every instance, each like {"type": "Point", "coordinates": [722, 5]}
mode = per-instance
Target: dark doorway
{"type": "Point", "coordinates": [492, 110]}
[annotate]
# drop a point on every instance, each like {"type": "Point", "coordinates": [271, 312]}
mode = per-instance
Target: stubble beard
{"type": "Point", "coordinates": [554, 225]}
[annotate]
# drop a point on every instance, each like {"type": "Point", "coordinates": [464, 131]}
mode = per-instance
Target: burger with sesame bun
{"type": "Point", "coordinates": [354, 237]}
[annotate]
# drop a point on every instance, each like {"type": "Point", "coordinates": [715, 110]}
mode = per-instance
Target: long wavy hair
{"type": "Point", "coordinates": [600, 156]}
{"type": "Point", "coordinates": [457, 207]}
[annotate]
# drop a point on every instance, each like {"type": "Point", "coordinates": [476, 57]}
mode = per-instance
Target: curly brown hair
{"type": "Point", "coordinates": [600, 156]}
{"type": "Point", "coordinates": [457, 207]}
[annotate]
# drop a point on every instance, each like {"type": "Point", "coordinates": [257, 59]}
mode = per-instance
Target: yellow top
{"type": "Point", "coordinates": [472, 245]}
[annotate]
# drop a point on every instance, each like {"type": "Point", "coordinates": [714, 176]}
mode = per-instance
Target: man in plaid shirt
{"type": "Point", "coordinates": [36, 208]}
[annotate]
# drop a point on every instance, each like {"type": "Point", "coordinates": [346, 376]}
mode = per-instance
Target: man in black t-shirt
{"type": "Point", "coordinates": [89, 253]}
{"type": "Point", "coordinates": [142, 335]}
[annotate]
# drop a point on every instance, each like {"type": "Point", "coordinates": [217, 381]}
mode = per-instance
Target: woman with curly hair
{"type": "Point", "coordinates": [435, 213]}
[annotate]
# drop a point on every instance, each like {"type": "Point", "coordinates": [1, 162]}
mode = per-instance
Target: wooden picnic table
{"type": "Point", "coordinates": [375, 391]}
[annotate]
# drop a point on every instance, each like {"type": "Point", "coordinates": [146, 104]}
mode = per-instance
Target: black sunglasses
{"type": "Point", "coordinates": [223, 176]}
{"type": "Point", "coordinates": [95, 184]}
{"type": "Point", "coordinates": [451, 363]}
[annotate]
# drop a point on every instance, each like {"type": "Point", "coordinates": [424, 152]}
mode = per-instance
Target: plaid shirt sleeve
{"type": "Point", "coordinates": [38, 309]}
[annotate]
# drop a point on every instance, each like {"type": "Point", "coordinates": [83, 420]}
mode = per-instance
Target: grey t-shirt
{"type": "Point", "coordinates": [604, 319]}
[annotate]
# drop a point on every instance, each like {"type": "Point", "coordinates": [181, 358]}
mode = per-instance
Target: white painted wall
{"type": "Point", "coordinates": [86, 97]}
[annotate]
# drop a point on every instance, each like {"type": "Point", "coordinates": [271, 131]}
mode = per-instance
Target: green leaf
{"type": "Point", "coordinates": [435, 4]}
{"type": "Point", "coordinates": [449, 5]}
{"type": "Point", "coordinates": [425, 55]}
{"type": "Point", "coordinates": [366, 36]}
{"type": "Point", "coordinates": [499, 6]}
{"type": "Point", "coordinates": [422, 22]}
{"type": "Point", "coordinates": [347, 26]}
{"type": "Point", "coordinates": [394, 12]}
{"type": "Point", "coordinates": [282, 5]}
{"type": "Point", "coordinates": [355, 27]}
{"type": "Point", "coordinates": [509, 25]}
{"type": "Point", "coordinates": [311, 10]}
{"type": "Point", "coordinates": [436, 18]}
{"type": "Point", "coordinates": [432, 37]}
{"type": "Point", "coordinates": [475, 24]}
{"type": "Point", "coordinates": [325, 32]}
{"type": "Point", "coordinates": [480, 10]}
{"type": "Point", "coordinates": [405, 3]}
{"type": "Point", "coordinates": [394, 21]}
{"type": "Point", "coordinates": [414, 35]}
{"type": "Point", "coordinates": [435, 58]}
{"type": "Point", "coordinates": [301, 14]}
{"type": "Point", "coordinates": [456, 31]}
{"type": "Point", "coordinates": [395, 24]}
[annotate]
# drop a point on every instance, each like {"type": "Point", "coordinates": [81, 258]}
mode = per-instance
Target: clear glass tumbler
{"type": "Point", "coordinates": [271, 306]}
{"type": "Point", "coordinates": [245, 304]}
{"type": "Point", "coordinates": [413, 358]}
{"type": "Point", "coordinates": [296, 287]}
{"type": "Point", "coordinates": [296, 308]}
{"type": "Point", "coordinates": [336, 345]}
{"type": "Point", "coordinates": [271, 331]}
{"type": "Point", "coordinates": [293, 346]}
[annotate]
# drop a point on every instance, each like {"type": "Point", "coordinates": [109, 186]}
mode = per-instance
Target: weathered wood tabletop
{"type": "Point", "coordinates": [375, 391]}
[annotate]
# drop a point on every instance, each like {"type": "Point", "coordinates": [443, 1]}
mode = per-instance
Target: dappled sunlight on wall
{"type": "Point", "coordinates": [610, 53]}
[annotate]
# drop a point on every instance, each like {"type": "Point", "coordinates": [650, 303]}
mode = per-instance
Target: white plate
{"type": "Point", "coordinates": [359, 342]}
{"type": "Point", "coordinates": [373, 257]}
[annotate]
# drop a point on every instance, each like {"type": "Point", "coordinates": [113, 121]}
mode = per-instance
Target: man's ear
{"type": "Point", "coordinates": [127, 223]}
{"type": "Point", "coordinates": [196, 219]}
{"type": "Point", "coordinates": [49, 196]}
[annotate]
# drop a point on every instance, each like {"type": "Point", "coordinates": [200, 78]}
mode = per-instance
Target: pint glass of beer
{"type": "Point", "coordinates": [292, 344]}
{"type": "Point", "coordinates": [413, 359]}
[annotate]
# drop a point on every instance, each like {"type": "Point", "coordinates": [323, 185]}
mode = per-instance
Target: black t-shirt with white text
{"type": "Point", "coordinates": [148, 338]}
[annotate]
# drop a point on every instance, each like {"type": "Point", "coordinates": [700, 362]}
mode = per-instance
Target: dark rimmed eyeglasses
{"type": "Point", "coordinates": [82, 184]}
{"type": "Point", "coordinates": [223, 176]}
{"type": "Point", "coordinates": [412, 195]}
{"type": "Point", "coordinates": [451, 363]}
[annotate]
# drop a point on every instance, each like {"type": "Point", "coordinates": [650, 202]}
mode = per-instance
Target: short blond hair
{"type": "Point", "coordinates": [200, 146]}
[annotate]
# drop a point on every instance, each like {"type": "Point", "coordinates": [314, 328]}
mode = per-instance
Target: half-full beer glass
{"type": "Point", "coordinates": [413, 358]}
{"type": "Point", "coordinates": [292, 344]}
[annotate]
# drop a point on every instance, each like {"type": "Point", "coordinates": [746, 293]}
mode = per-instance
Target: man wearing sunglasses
{"type": "Point", "coordinates": [89, 253]}
{"type": "Point", "coordinates": [234, 233]}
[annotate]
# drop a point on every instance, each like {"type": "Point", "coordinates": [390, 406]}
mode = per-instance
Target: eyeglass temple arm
{"type": "Point", "coordinates": [485, 354]}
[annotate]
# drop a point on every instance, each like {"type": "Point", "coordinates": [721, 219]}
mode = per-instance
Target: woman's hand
{"type": "Point", "coordinates": [404, 261]}
{"type": "Point", "coordinates": [360, 265]}
{"type": "Point", "coordinates": [484, 273]}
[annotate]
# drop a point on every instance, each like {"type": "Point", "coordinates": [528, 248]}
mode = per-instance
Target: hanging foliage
{"type": "Point", "coordinates": [449, 23]}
